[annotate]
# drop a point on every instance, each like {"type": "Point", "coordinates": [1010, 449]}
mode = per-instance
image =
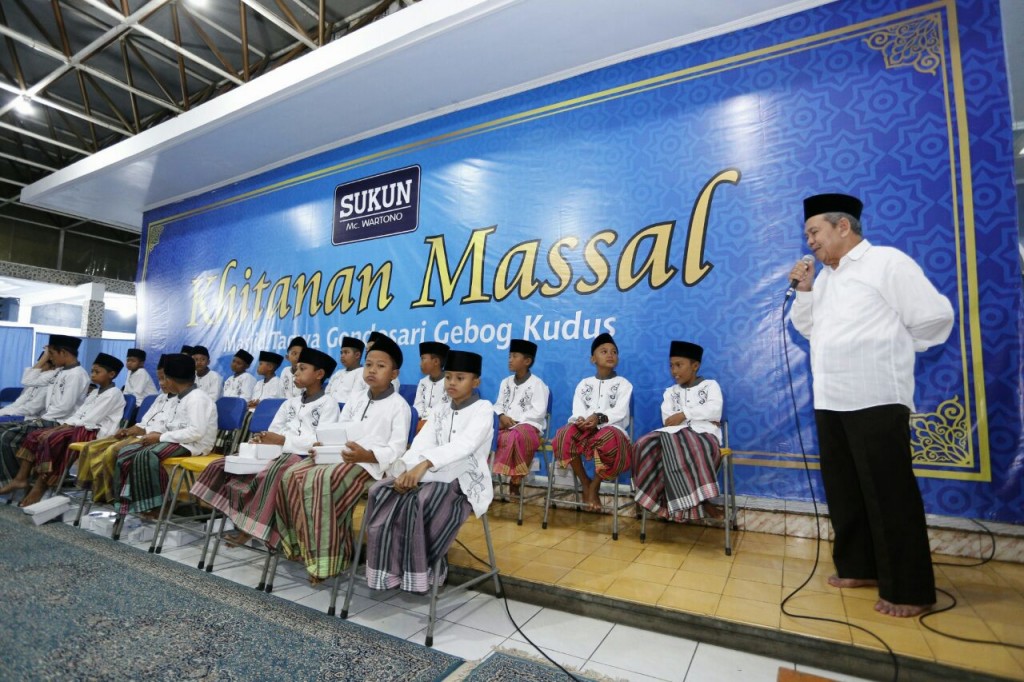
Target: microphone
{"type": "Point", "coordinates": [807, 259]}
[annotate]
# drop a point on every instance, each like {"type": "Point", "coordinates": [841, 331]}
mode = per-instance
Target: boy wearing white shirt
{"type": "Point", "coordinates": [430, 393]}
{"type": "Point", "coordinates": [314, 515]}
{"type": "Point", "coordinates": [250, 501]}
{"type": "Point", "coordinates": [522, 408]}
{"type": "Point", "coordinates": [240, 383]}
{"type": "Point", "coordinates": [269, 384]}
{"type": "Point", "coordinates": [34, 381]}
{"type": "Point", "coordinates": [44, 450]}
{"type": "Point", "coordinates": [413, 518]}
{"type": "Point", "coordinates": [597, 427]}
{"type": "Point", "coordinates": [295, 348]}
{"type": "Point", "coordinates": [138, 382]}
{"type": "Point", "coordinates": [139, 478]}
{"type": "Point", "coordinates": [207, 380]}
{"type": "Point", "coordinates": [675, 467]}
{"type": "Point", "coordinates": [63, 397]}
{"type": "Point", "coordinates": [349, 381]}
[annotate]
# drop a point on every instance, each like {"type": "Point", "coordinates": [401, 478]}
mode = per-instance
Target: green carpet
{"type": "Point", "coordinates": [76, 606]}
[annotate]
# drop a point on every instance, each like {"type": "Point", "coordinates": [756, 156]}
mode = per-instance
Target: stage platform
{"type": "Point", "coordinates": [681, 582]}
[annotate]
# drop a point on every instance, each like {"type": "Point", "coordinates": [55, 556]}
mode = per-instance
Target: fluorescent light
{"type": "Point", "coordinates": [24, 106]}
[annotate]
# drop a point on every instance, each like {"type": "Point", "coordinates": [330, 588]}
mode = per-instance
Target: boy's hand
{"type": "Point", "coordinates": [410, 480]}
{"type": "Point", "coordinates": [354, 453]}
{"type": "Point", "coordinates": [675, 419]}
{"type": "Point", "coordinates": [151, 438]}
{"type": "Point", "coordinates": [589, 424]}
{"type": "Point", "coordinates": [506, 422]}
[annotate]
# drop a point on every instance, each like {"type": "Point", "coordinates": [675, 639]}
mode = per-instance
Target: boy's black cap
{"type": "Point", "coordinates": [273, 358]}
{"type": "Point", "coordinates": [108, 362]}
{"type": "Point", "coordinates": [685, 349]}
{"type": "Point", "coordinates": [523, 347]}
{"type": "Point", "coordinates": [244, 355]}
{"type": "Point", "coordinates": [180, 367]}
{"type": "Point", "coordinates": [601, 340]}
{"type": "Point", "coordinates": [385, 345]}
{"type": "Point", "coordinates": [463, 361]}
{"type": "Point", "coordinates": [136, 353]}
{"type": "Point", "coordinates": [319, 359]}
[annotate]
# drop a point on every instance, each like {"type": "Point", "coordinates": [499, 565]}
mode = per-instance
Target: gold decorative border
{"type": "Point", "coordinates": [930, 14]}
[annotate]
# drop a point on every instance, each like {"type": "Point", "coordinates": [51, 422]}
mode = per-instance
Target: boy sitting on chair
{"type": "Point", "coordinates": [97, 459]}
{"type": "Point", "coordinates": [139, 477]}
{"type": "Point", "coordinates": [269, 384]}
{"type": "Point", "coordinates": [240, 383]}
{"type": "Point", "coordinates": [288, 387]}
{"type": "Point", "coordinates": [45, 450]}
{"type": "Point", "coordinates": [250, 501]}
{"type": "Point", "coordinates": [413, 518]}
{"type": "Point", "coordinates": [597, 427]}
{"type": "Point", "coordinates": [349, 382]}
{"type": "Point", "coordinates": [314, 513]}
{"type": "Point", "coordinates": [522, 409]}
{"type": "Point", "coordinates": [430, 393]}
{"type": "Point", "coordinates": [34, 381]}
{"type": "Point", "coordinates": [138, 383]}
{"type": "Point", "coordinates": [676, 466]}
{"type": "Point", "coordinates": [207, 379]}
{"type": "Point", "coordinates": [63, 397]}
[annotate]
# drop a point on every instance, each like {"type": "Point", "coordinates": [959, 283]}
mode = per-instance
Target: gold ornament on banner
{"type": "Point", "coordinates": [916, 43]}
{"type": "Point", "coordinates": [941, 437]}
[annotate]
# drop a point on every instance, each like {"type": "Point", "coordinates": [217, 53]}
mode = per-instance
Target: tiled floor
{"type": "Point", "coordinates": [684, 568]}
{"type": "Point", "coordinates": [681, 568]}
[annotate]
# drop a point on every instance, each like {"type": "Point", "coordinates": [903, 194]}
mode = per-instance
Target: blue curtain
{"type": "Point", "coordinates": [16, 348]}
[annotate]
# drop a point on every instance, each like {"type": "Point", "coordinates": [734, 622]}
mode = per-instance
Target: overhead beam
{"type": "Point", "coordinates": [280, 23]}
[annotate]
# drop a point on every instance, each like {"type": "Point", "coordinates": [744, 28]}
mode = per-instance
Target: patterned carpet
{"type": "Point", "coordinates": [75, 606]}
{"type": "Point", "coordinates": [502, 667]}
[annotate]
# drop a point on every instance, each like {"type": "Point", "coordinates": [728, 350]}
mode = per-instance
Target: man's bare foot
{"type": "Point", "coordinates": [313, 580]}
{"type": "Point", "coordinates": [150, 514]}
{"type": "Point", "coordinates": [514, 489]}
{"type": "Point", "coordinates": [34, 495]}
{"type": "Point", "coordinates": [711, 511]}
{"type": "Point", "coordinates": [13, 485]}
{"type": "Point", "coordinates": [237, 539]}
{"type": "Point", "coordinates": [901, 610]}
{"type": "Point", "coordinates": [836, 581]}
{"type": "Point", "coordinates": [592, 496]}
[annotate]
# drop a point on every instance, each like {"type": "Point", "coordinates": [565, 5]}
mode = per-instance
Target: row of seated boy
{"type": "Point", "coordinates": [305, 509]}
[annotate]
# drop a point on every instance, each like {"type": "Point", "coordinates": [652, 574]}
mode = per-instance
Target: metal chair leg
{"type": "Point", "coordinates": [352, 572]}
{"type": "Point", "coordinates": [216, 544]}
{"type": "Point", "coordinates": [87, 495]}
{"type": "Point", "coordinates": [166, 510]}
{"type": "Point", "coordinates": [211, 522]}
{"type": "Point", "coordinates": [643, 525]}
{"type": "Point", "coordinates": [490, 555]}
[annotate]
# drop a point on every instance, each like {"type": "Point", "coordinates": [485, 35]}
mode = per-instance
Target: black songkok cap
{"type": "Point", "coordinates": [374, 335]}
{"type": "Point", "coordinates": [64, 342]}
{"type": "Point", "coordinates": [136, 353]}
{"type": "Point", "coordinates": [685, 349]}
{"type": "Point", "coordinates": [832, 203]}
{"type": "Point", "coordinates": [186, 350]}
{"type": "Point", "coordinates": [523, 347]}
{"type": "Point", "coordinates": [385, 345]}
{"type": "Point", "coordinates": [463, 361]}
{"type": "Point", "coordinates": [352, 342]}
{"type": "Point", "coordinates": [601, 340]}
{"type": "Point", "coordinates": [297, 341]}
{"type": "Point", "coordinates": [434, 348]}
{"type": "Point", "coordinates": [180, 367]}
{"type": "Point", "coordinates": [108, 362]}
{"type": "Point", "coordinates": [244, 355]}
{"type": "Point", "coordinates": [273, 358]}
{"type": "Point", "coordinates": [200, 350]}
{"type": "Point", "coordinates": [162, 361]}
{"type": "Point", "coordinates": [319, 359]}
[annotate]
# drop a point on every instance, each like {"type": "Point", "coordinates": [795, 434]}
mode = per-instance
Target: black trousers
{"type": "Point", "coordinates": [874, 502]}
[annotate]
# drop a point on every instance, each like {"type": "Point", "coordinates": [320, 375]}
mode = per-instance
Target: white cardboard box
{"type": "Point", "coordinates": [237, 464]}
{"type": "Point", "coordinates": [48, 509]}
{"type": "Point", "coordinates": [328, 454]}
{"type": "Point", "coordinates": [259, 451]}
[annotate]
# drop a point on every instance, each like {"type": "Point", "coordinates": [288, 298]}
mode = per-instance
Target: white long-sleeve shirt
{"type": "Point", "coordinates": [212, 384]}
{"type": "Point", "coordinates": [865, 319]}
{"type": "Point", "coordinates": [101, 412]}
{"type": "Point", "coordinates": [66, 393]}
{"type": "Point", "coordinates": [609, 397]}
{"type": "Point", "coordinates": [701, 403]}
{"type": "Point", "coordinates": [32, 400]}
{"type": "Point", "coordinates": [430, 395]}
{"type": "Point", "coordinates": [457, 441]}
{"type": "Point", "coordinates": [345, 384]}
{"type": "Point", "coordinates": [298, 421]}
{"type": "Point", "coordinates": [193, 425]}
{"type": "Point", "coordinates": [383, 428]}
{"type": "Point", "coordinates": [139, 384]}
{"type": "Point", "coordinates": [156, 417]}
{"type": "Point", "coordinates": [267, 389]}
{"type": "Point", "coordinates": [527, 402]}
{"type": "Point", "coordinates": [239, 386]}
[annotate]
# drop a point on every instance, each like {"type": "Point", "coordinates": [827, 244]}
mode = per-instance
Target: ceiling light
{"type": "Point", "coordinates": [24, 106]}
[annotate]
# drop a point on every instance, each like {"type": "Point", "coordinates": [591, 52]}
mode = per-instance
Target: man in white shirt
{"type": "Point", "coordinates": [207, 380]}
{"type": "Point", "coordinates": [866, 313]}
{"type": "Point", "coordinates": [138, 383]}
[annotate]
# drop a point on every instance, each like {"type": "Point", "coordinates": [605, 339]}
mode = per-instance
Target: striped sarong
{"type": "Point", "coordinates": [314, 514]}
{"type": "Point", "coordinates": [515, 451]}
{"type": "Point", "coordinates": [48, 448]}
{"type": "Point", "coordinates": [408, 533]}
{"type": "Point", "coordinates": [96, 463]}
{"type": "Point", "coordinates": [675, 472]}
{"type": "Point", "coordinates": [12, 434]}
{"type": "Point", "coordinates": [608, 447]}
{"type": "Point", "coordinates": [139, 477]}
{"type": "Point", "coordinates": [250, 501]}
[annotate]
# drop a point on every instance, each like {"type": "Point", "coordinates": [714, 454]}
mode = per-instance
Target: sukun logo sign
{"type": "Point", "coordinates": [377, 206]}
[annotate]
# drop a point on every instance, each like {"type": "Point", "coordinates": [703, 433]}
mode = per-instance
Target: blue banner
{"type": "Point", "coordinates": [656, 199]}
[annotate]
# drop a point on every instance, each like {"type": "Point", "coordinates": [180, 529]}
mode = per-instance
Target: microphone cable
{"type": "Point", "coordinates": [814, 502]}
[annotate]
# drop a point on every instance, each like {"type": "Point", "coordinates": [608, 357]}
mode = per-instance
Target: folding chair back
{"type": "Point", "coordinates": [408, 391]}
{"type": "Point", "coordinates": [264, 414]}
{"type": "Point", "coordinates": [144, 406]}
{"type": "Point", "coordinates": [231, 413]}
{"type": "Point", "coordinates": [413, 422]}
{"type": "Point", "coordinates": [9, 394]}
{"type": "Point", "coordinates": [128, 416]}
